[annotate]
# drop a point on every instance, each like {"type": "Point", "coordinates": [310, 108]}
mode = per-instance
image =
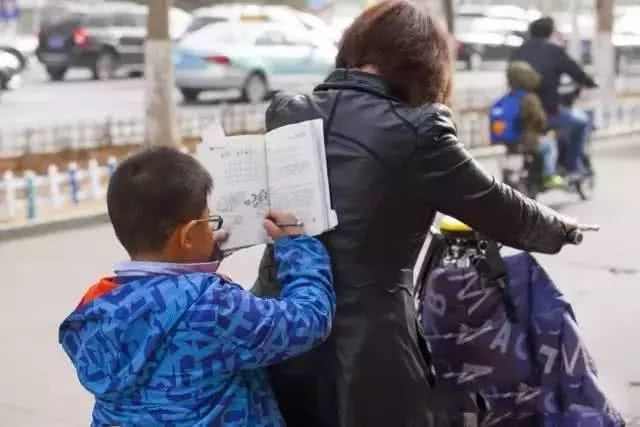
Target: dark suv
{"type": "Point", "coordinates": [103, 39]}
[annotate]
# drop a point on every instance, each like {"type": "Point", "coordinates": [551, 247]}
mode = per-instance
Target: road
{"type": "Point", "coordinates": [40, 102]}
{"type": "Point", "coordinates": [44, 277]}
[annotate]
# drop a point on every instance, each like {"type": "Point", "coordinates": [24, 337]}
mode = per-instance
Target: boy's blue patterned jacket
{"type": "Point", "coordinates": [189, 350]}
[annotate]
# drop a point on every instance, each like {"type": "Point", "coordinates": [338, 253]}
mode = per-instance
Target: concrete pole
{"type": "Point", "coordinates": [448, 9]}
{"type": "Point", "coordinates": [37, 17]}
{"type": "Point", "coordinates": [449, 12]}
{"type": "Point", "coordinates": [604, 52]}
{"type": "Point", "coordinates": [575, 40]}
{"type": "Point", "coordinates": [546, 7]}
{"type": "Point", "coordinates": [161, 126]}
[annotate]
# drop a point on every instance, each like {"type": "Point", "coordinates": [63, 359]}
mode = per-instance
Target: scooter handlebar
{"type": "Point", "coordinates": [576, 236]}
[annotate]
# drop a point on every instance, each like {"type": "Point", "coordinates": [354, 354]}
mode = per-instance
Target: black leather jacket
{"type": "Point", "coordinates": [391, 167]}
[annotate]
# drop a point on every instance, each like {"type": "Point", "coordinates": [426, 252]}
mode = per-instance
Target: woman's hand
{"type": "Point", "coordinates": [282, 224]}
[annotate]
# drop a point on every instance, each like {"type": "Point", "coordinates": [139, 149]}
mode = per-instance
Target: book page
{"type": "Point", "coordinates": [240, 192]}
{"type": "Point", "coordinates": [296, 170]}
{"type": "Point", "coordinates": [318, 133]}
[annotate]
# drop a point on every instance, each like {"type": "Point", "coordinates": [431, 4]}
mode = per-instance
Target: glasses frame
{"type": "Point", "coordinates": [216, 222]}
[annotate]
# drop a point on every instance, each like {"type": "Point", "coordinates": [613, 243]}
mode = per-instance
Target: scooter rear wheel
{"type": "Point", "coordinates": [586, 187]}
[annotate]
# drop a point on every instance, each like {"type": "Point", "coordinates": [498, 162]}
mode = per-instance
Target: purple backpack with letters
{"type": "Point", "coordinates": [517, 347]}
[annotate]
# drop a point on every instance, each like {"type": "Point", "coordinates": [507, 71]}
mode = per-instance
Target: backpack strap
{"type": "Point", "coordinates": [493, 267]}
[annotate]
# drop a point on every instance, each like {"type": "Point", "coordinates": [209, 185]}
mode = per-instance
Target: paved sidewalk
{"type": "Point", "coordinates": [44, 277]}
{"type": "Point", "coordinates": [58, 220]}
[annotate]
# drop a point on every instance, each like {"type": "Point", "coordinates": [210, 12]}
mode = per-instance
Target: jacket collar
{"type": "Point", "coordinates": [145, 268]}
{"type": "Point", "coordinates": [357, 80]}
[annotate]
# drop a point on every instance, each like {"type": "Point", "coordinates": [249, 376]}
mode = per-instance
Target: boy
{"type": "Point", "coordinates": [522, 77]}
{"type": "Point", "coordinates": [167, 341]}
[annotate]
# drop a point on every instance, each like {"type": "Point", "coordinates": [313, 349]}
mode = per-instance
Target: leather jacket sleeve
{"type": "Point", "coordinates": [575, 71]}
{"type": "Point", "coordinates": [456, 185]}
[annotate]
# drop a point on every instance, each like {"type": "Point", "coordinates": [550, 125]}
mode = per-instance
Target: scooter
{"type": "Point", "coordinates": [524, 170]}
{"type": "Point", "coordinates": [489, 322]}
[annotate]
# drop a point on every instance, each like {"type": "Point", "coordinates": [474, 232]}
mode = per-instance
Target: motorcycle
{"type": "Point", "coordinates": [523, 170]}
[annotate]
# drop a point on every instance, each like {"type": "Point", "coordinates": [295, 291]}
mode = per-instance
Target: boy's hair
{"type": "Point", "coordinates": [151, 193]}
{"type": "Point", "coordinates": [542, 28]}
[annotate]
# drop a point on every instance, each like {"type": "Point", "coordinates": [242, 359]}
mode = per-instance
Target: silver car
{"type": "Point", "coordinates": [254, 58]}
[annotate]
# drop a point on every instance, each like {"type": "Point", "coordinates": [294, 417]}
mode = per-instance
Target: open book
{"type": "Point", "coordinates": [286, 170]}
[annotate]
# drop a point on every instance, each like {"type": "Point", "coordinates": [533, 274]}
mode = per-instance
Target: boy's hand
{"type": "Point", "coordinates": [282, 224]}
{"type": "Point", "coordinates": [219, 237]}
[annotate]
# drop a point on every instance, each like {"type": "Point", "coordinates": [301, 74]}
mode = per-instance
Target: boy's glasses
{"type": "Point", "coordinates": [216, 222]}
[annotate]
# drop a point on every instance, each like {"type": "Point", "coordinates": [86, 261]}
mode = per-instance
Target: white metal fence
{"type": "Point", "coordinates": [123, 131]}
{"type": "Point", "coordinates": [30, 197]}
{"type": "Point", "coordinates": [472, 127]}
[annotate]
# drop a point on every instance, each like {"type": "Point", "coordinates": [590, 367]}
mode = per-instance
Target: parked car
{"type": "Point", "coordinates": [22, 46]}
{"type": "Point", "coordinates": [10, 69]}
{"type": "Point", "coordinates": [276, 14]}
{"type": "Point", "coordinates": [104, 38]}
{"type": "Point", "coordinates": [490, 33]}
{"type": "Point", "coordinates": [255, 58]}
{"type": "Point", "coordinates": [484, 39]}
{"type": "Point", "coordinates": [17, 53]}
{"type": "Point", "coordinates": [22, 36]}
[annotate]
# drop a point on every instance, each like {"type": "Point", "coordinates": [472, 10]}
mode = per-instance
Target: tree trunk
{"type": "Point", "coordinates": [161, 126]}
{"type": "Point", "coordinates": [604, 52]}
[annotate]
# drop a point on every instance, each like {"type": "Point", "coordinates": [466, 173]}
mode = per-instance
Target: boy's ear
{"type": "Point", "coordinates": [185, 235]}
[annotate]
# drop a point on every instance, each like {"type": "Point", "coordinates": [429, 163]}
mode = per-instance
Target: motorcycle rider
{"type": "Point", "coordinates": [552, 61]}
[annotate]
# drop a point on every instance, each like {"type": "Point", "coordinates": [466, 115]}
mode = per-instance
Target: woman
{"type": "Point", "coordinates": [394, 160]}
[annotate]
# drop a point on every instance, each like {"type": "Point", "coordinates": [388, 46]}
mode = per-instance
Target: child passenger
{"type": "Point", "coordinates": [535, 138]}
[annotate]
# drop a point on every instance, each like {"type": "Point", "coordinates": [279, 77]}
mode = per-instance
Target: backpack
{"type": "Point", "coordinates": [499, 331]}
{"type": "Point", "coordinates": [505, 118]}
